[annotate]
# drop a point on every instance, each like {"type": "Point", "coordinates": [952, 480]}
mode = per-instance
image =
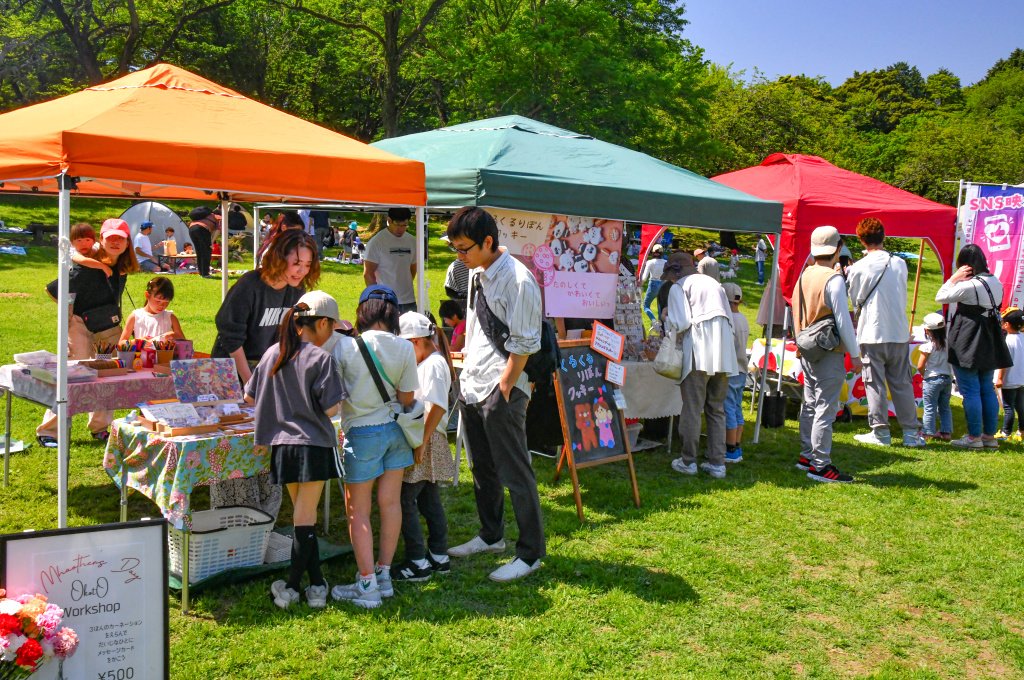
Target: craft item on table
{"type": "Point", "coordinates": [76, 373]}
{"type": "Point", "coordinates": [40, 357]}
{"type": "Point", "coordinates": [171, 413]}
{"type": "Point", "coordinates": [206, 380]}
{"type": "Point", "coordinates": [104, 350]}
{"type": "Point", "coordinates": [183, 349]}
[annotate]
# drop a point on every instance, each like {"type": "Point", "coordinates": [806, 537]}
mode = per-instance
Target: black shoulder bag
{"type": "Point", "coordinates": [104, 317]}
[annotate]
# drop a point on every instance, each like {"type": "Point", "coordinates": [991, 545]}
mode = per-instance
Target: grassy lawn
{"type": "Point", "coordinates": [914, 571]}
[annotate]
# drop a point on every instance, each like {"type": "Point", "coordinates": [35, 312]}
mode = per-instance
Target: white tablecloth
{"type": "Point", "coordinates": [649, 395]}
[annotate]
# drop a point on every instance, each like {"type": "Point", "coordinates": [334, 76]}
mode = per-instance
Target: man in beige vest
{"type": "Point", "coordinates": [821, 292]}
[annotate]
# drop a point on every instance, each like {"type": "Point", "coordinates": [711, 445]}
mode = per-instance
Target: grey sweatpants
{"type": "Point", "coordinates": [889, 363]}
{"type": "Point", "coordinates": [703, 393]}
{"type": "Point", "coordinates": [822, 381]}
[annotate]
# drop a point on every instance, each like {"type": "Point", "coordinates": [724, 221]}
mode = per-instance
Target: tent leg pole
{"type": "Point", "coordinates": [917, 286]}
{"type": "Point", "coordinates": [225, 207]}
{"type": "Point", "coordinates": [255, 235]}
{"type": "Point", "coordinates": [63, 293]}
{"type": "Point", "coordinates": [422, 304]}
{"type": "Point", "coordinates": [768, 343]}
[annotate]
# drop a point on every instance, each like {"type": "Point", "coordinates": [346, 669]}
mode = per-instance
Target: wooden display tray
{"type": "Point", "coordinates": [108, 372]}
{"type": "Point", "coordinates": [225, 423]}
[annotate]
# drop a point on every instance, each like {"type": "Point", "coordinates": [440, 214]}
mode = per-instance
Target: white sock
{"type": "Point", "coordinates": [422, 564]}
{"type": "Point", "coordinates": [383, 569]}
{"type": "Point", "coordinates": [440, 559]}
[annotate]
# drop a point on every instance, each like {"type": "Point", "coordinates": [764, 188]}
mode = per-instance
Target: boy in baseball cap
{"type": "Point", "coordinates": [734, 397]}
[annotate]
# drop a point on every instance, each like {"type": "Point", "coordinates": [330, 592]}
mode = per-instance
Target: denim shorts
{"type": "Point", "coordinates": [734, 401]}
{"type": "Point", "coordinates": [371, 450]}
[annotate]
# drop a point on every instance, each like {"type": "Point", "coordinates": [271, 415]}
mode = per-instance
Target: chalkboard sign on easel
{"type": "Point", "coordinates": [593, 427]}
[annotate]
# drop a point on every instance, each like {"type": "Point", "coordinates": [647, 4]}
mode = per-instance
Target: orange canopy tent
{"type": "Point", "coordinates": [166, 133]}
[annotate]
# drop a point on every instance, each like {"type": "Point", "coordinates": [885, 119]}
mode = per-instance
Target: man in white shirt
{"type": "Point", "coordinates": [821, 292]}
{"type": "Point", "coordinates": [878, 291]}
{"type": "Point", "coordinates": [144, 250]}
{"type": "Point", "coordinates": [654, 265]}
{"type": "Point", "coordinates": [496, 391]}
{"type": "Point", "coordinates": [390, 259]}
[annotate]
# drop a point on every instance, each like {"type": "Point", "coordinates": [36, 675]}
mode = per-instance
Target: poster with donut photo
{"type": "Point", "coordinates": [575, 259]}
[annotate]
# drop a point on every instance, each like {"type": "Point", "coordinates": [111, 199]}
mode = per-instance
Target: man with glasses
{"type": "Point", "coordinates": [496, 391]}
{"type": "Point", "coordinates": [390, 259]}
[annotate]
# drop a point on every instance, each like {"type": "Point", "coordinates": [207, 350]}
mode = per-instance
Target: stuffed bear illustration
{"type": "Point", "coordinates": [559, 246]}
{"type": "Point", "coordinates": [589, 252]}
{"type": "Point", "coordinates": [560, 231]}
{"type": "Point", "coordinates": [594, 235]}
{"type": "Point", "coordinates": [580, 265]}
{"type": "Point", "coordinates": [585, 424]}
{"type": "Point", "coordinates": [603, 418]}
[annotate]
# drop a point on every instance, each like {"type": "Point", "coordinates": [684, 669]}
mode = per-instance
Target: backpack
{"type": "Point", "coordinates": [541, 364]}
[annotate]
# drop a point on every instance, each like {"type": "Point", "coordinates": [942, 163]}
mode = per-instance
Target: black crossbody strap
{"type": "Point", "coordinates": [365, 351]}
{"type": "Point", "coordinates": [988, 290]}
{"type": "Point", "coordinates": [860, 305]}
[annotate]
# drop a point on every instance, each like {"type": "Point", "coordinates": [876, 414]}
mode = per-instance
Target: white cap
{"type": "Point", "coordinates": [934, 321]}
{"type": "Point", "coordinates": [733, 291]}
{"type": "Point", "coordinates": [415, 325]}
{"type": "Point", "coordinates": [320, 304]}
{"type": "Point", "coordinates": [657, 248]}
{"type": "Point", "coordinates": [824, 241]}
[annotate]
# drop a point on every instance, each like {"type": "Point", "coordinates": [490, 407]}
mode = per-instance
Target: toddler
{"type": "Point", "coordinates": [938, 380]}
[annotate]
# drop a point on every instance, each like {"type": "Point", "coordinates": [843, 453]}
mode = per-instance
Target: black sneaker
{"type": "Point", "coordinates": [441, 568]}
{"type": "Point", "coordinates": [804, 463]}
{"type": "Point", "coordinates": [829, 473]}
{"type": "Point", "coordinates": [409, 571]}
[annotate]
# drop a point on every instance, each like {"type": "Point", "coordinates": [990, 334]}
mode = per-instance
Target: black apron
{"type": "Point", "coordinates": [976, 337]}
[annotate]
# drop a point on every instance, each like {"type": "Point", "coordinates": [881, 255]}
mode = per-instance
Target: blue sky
{"type": "Point", "coordinates": [834, 39]}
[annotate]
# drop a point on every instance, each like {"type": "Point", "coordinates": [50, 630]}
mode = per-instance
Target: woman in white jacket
{"type": "Point", "coordinates": [699, 309]}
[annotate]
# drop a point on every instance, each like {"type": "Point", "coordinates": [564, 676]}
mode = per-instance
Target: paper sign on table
{"type": "Point", "coordinates": [607, 342]}
{"type": "Point", "coordinates": [615, 373]}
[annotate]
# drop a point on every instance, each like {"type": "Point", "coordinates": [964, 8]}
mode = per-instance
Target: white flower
{"type": "Point", "coordinates": [14, 643]}
{"type": "Point", "coordinates": [11, 607]}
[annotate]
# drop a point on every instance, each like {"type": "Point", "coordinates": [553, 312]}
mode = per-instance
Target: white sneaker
{"type": "Point", "coordinates": [475, 546]}
{"type": "Point", "coordinates": [387, 589]}
{"type": "Point", "coordinates": [914, 440]}
{"type": "Point", "coordinates": [716, 471]}
{"type": "Point", "coordinates": [510, 571]}
{"type": "Point", "coordinates": [316, 596]}
{"type": "Point", "coordinates": [283, 595]}
{"type": "Point", "coordinates": [679, 466]}
{"type": "Point", "coordinates": [873, 439]}
{"type": "Point", "coordinates": [363, 593]}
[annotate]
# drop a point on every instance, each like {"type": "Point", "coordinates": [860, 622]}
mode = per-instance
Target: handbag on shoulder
{"type": "Point", "coordinates": [412, 420]}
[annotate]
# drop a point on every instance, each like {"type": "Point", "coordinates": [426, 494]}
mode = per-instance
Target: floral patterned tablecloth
{"type": "Point", "coordinates": [167, 469]}
{"type": "Point", "coordinates": [852, 394]}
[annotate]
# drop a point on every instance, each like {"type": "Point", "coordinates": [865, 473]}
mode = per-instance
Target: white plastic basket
{"type": "Point", "coordinates": [279, 548]}
{"type": "Point", "coordinates": [221, 539]}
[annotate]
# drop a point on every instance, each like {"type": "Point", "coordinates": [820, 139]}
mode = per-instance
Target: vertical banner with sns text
{"type": "Point", "coordinates": [993, 219]}
{"type": "Point", "coordinates": [575, 259]}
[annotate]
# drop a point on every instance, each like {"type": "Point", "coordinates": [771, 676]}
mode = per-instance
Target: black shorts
{"type": "Point", "coordinates": [293, 463]}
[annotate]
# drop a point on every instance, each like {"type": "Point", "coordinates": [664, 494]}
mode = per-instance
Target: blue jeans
{"type": "Point", "coordinates": [936, 391]}
{"type": "Point", "coordinates": [760, 272]}
{"type": "Point", "coordinates": [652, 293]}
{"type": "Point", "coordinates": [372, 450]}
{"type": "Point", "coordinates": [734, 401]}
{"type": "Point", "coordinates": [981, 405]}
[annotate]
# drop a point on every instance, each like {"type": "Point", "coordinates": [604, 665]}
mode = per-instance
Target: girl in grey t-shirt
{"type": "Point", "coordinates": [296, 390]}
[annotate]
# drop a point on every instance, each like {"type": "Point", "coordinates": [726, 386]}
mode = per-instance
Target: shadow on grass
{"type": "Point", "coordinates": [909, 481]}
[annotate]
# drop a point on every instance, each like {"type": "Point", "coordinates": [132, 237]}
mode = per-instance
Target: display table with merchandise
{"type": "Point", "coordinates": [852, 396]}
{"type": "Point", "coordinates": [108, 393]}
{"type": "Point", "coordinates": [168, 469]}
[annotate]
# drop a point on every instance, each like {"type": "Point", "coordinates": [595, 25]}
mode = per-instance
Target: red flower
{"type": "Point", "coordinates": [858, 390]}
{"type": "Point", "coordinates": [29, 653]}
{"type": "Point", "coordinates": [918, 385]}
{"type": "Point", "coordinates": [9, 624]}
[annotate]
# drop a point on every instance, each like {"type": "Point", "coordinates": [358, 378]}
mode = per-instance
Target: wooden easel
{"type": "Point", "coordinates": [567, 457]}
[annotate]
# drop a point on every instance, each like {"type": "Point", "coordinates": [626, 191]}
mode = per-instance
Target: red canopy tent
{"type": "Point", "coordinates": [814, 193]}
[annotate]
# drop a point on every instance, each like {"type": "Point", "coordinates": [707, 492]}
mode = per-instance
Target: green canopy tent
{"type": "Point", "coordinates": [517, 163]}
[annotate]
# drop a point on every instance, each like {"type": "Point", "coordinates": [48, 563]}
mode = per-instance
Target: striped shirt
{"type": "Point", "coordinates": [514, 297]}
{"type": "Point", "coordinates": [456, 280]}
